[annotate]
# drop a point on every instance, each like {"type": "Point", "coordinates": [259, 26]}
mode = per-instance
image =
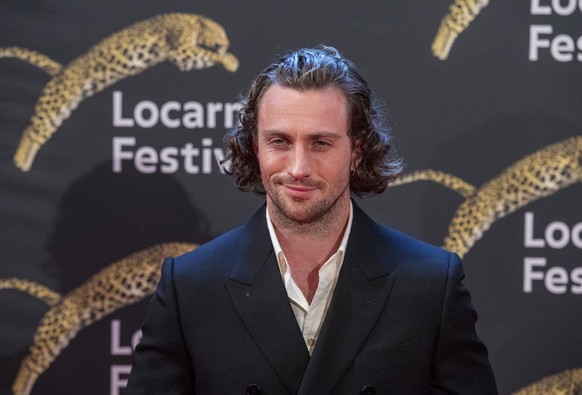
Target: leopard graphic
{"type": "Point", "coordinates": [122, 283]}
{"type": "Point", "coordinates": [461, 14]}
{"type": "Point", "coordinates": [563, 383]}
{"type": "Point", "coordinates": [450, 181]}
{"type": "Point", "coordinates": [43, 62]}
{"type": "Point", "coordinates": [187, 40]}
{"type": "Point", "coordinates": [32, 288]}
{"type": "Point", "coordinates": [131, 279]}
{"type": "Point", "coordinates": [536, 176]}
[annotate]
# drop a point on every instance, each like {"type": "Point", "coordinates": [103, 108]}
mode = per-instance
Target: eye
{"type": "Point", "coordinates": [277, 142]}
{"type": "Point", "coordinates": [321, 144]}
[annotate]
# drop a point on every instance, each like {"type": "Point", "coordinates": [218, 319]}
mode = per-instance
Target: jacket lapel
{"type": "Point", "coordinates": [260, 299]}
{"type": "Point", "coordinates": [363, 287]}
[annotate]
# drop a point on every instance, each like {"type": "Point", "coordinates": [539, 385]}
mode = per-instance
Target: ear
{"type": "Point", "coordinates": [255, 148]}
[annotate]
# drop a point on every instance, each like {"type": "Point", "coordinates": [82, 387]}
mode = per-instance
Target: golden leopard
{"type": "Point", "coordinates": [50, 66]}
{"type": "Point", "coordinates": [568, 382]}
{"type": "Point", "coordinates": [189, 41]}
{"type": "Point", "coordinates": [536, 176]}
{"type": "Point", "coordinates": [122, 283]}
{"type": "Point", "coordinates": [461, 14]}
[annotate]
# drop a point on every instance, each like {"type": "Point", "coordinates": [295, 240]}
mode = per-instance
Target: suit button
{"type": "Point", "coordinates": [368, 390]}
{"type": "Point", "coordinates": [254, 389]}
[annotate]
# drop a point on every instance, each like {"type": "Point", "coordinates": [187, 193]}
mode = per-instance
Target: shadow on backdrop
{"type": "Point", "coordinates": [106, 216]}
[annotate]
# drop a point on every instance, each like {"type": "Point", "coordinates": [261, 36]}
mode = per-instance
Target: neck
{"type": "Point", "coordinates": [310, 244]}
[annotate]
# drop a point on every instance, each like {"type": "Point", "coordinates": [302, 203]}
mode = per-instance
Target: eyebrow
{"type": "Point", "coordinates": [311, 136]}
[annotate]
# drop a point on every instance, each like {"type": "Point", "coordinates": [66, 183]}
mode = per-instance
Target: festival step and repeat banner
{"type": "Point", "coordinates": [111, 123]}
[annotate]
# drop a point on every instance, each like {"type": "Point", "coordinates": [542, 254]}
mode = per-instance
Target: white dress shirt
{"type": "Point", "coordinates": [310, 316]}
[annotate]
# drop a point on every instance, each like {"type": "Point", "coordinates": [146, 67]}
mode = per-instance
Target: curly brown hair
{"type": "Point", "coordinates": [317, 68]}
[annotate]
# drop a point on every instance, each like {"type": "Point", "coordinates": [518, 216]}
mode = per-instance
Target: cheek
{"type": "Point", "coordinates": [270, 163]}
{"type": "Point", "coordinates": [334, 167]}
{"type": "Point", "coordinates": [344, 160]}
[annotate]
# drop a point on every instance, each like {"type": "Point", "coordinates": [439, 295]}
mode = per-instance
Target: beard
{"type": "Point", "coordinates": [317, 213]}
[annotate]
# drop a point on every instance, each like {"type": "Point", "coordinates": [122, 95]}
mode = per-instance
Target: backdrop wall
{"type": "Point", "coordinates": [111, 140]}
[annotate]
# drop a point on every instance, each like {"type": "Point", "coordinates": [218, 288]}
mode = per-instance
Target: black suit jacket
{"type": "Point", "coordinates": [400, 322]}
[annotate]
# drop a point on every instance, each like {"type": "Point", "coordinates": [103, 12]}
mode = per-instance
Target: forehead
{"type": "Point", "coordinates": [322, 107]}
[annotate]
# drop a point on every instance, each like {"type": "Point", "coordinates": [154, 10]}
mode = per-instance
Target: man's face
{"type": "Point", "coordinates": [304, 152]}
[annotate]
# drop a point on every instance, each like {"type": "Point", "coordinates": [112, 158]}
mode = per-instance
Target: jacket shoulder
{"type": "Point", "coordinates": [215, 259]}
{"type": "Point", "coordinates": [366, 231]}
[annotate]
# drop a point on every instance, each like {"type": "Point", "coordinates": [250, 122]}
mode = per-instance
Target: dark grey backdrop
{"type": "Point", "coordinates": [471, 115]}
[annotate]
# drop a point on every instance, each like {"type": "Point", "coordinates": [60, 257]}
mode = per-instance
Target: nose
{"type": "Point", "coordinates": [300, 162]}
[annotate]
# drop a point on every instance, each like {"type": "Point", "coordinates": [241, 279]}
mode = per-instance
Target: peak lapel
{"type": "Point", "coordinates": [356, 304]}
{"type": "Point", "coordinates": [260, 299]}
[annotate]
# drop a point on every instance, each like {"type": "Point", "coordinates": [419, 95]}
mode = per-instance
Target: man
{"type": "Point", "coordinates": [311, 296]}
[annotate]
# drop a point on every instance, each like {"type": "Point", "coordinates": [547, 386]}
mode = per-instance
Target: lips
{"type": "Point", "coordinates": [299, 191]}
